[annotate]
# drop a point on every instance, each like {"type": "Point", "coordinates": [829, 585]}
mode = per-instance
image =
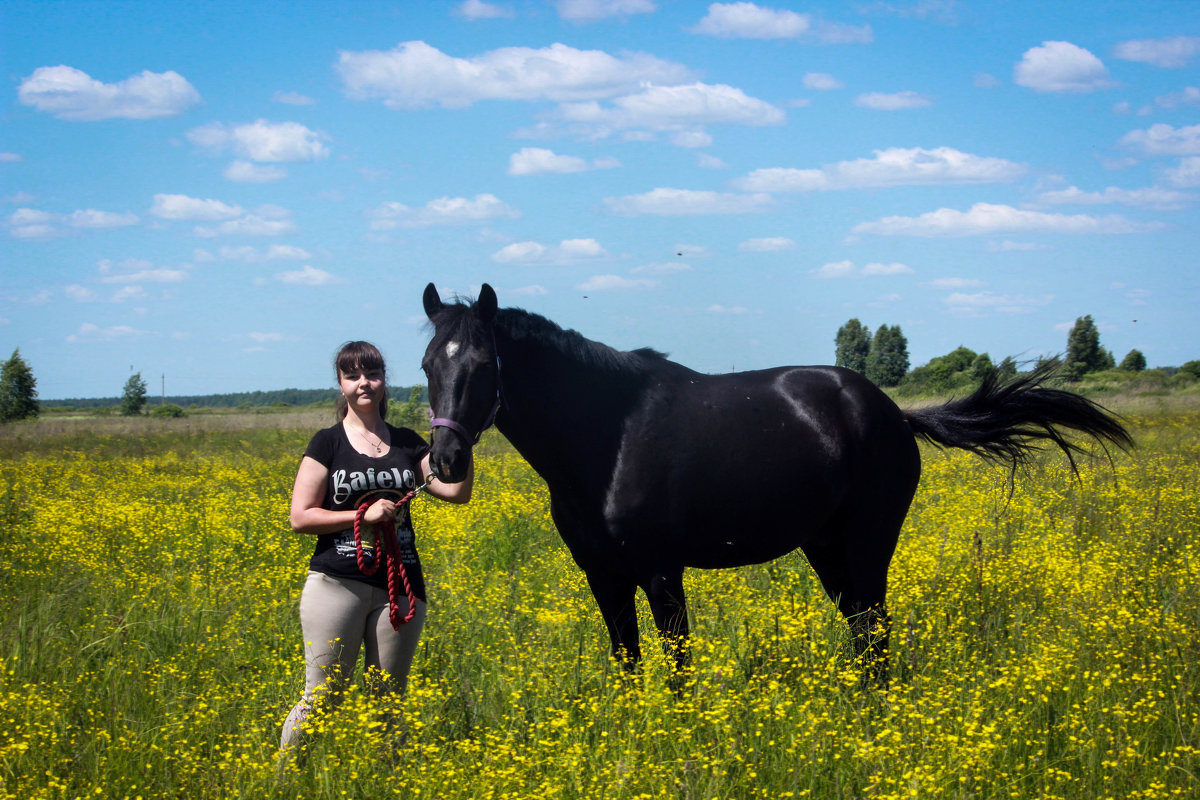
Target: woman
{"type": "Point", "coordinates": [360, 459]}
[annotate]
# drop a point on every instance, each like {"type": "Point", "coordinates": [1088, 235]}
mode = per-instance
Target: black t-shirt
{"type": "Point", "coordinates": [354, 479]}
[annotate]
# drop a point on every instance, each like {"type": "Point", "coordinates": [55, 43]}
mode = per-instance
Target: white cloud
{"type": "Point", "coordinates": [11, 158]}
{"type": "Point", "coordinates": [821, 82]}
{"type": "Point", "coordinates": [262, 141]}
{"type": "Point", "coordinates": [539, 161]}
{"type": "Point", "coordinates": [1009, 246]}
{"type": "Point", "coordinates": [182, 207]}
{"type": "Point", "coordinates": [416, 75]}
{"type": "Point", "coordinates": [709, 161]}
{"type": "Point", "coordinates": [980, 302]}
{"type": "Point", "coordinates": [31, 223]}
{"type": "Point", "coordinates": [692, 139]}
{"type": "Point", "coordinates": [477, 9]}
{"type": "Point", "coordinates": [1173, 52]}
{"type": "Point", "coordinates": [245, 172]}
{"type": "Point", "coordinates": [78, 293]}
{"type": "Point", "coordinates": [847, 269]}
{"type": "Point", "coordinates": [893, 167]}
{"type": "Point", "coordinates": [90, 332]}
{"type": "Point", "coordinates": [533, 290]}
{"type": "Point", "coordinates": [684, 202]}
{"type": "Point", "coordinates": [1165, 140]}
{"type": "Point", "coordinates": [592, 10]}
{"type": "Point", "coordinates": [1187, 174]}
{"type": "Point", "coordinates": [898, 101]}
{"type": "Point", "coordinates": [772, 244]}
{"type": "Point", "coordinates": [267, 221]}
{"type": "Point", "coordinates": [568, 251]}
{"type": "Point", "coordinates": [750, 21]}
{"type": "Point", "coordinates": [877, 269]}
{"type": "Point", "coordinates": [1061, 67]}
{"type": "Point", "coordinates": [954, 283]}
{"type": "Point", "coordinates": [265, 338]}
{"type": "Point", "coordinates": [128, 293]}
{"type": "Point", "coordinates": [942, 11]}
{"type": "Point", "coordinates": [662, 268]}
{"type": "Point", "coordinates": [717, 308]}
{"type": "Point", "coordinates": [669, 108]}
{"type": "Point", "coordinates": [138, 271]}
{"type": "Point", "coordinates": [835, 269]}
{"type": "Point", "coordinates": [293, 99]}
{"type": "Point", "coordinates": [307, 276]}
{"type": "Point", "coordinates": [1189, 96]}
{"type": "Point", "coordinates": [251, 255]}
{"type": "Point", "coordinates": [91, 218]}
{"type": "Point", "coordinates": [988, 219]}
{"type": "Point", "coordinates": [1152, 197]}
{"type": "Point", "coordinates": [72, 94]}
{"type": "Point", "coordinates": [602, 283]}
{"type": "Point", "coordinates": [442, 211]}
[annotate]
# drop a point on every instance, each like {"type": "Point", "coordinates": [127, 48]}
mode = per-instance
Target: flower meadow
{"type": "Point", "coordinates": [1046, 642]}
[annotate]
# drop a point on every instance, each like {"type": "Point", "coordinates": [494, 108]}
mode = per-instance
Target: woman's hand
{"type": "Point", "coordinates": [450, 492]}
{"type": "Point", "coordinates": [380, 512]}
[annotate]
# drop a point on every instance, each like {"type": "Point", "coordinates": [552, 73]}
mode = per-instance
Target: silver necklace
{"type": "Point", "coordinates": [378, 445]}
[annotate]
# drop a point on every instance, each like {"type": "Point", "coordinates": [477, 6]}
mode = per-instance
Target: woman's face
{"type": "Point", "coordinates": [362, 388]}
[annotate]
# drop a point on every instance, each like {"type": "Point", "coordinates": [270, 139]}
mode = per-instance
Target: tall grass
{"type": "Point", "coordinates": [1045, 645]}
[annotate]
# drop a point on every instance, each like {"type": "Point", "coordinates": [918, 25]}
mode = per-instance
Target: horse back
{"type": "Point", "coordinates": [744, 467]}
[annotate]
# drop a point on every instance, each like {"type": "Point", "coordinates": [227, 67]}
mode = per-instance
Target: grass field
{"type": "Point", "coordinates": [1046, 645]}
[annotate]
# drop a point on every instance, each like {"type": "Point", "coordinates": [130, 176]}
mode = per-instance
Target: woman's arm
{"type": "Point", "coordinates": [308, 493]}
{"type": "Point", "coordinates": [450, 492]}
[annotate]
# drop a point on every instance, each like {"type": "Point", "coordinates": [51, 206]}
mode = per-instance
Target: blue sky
{"type": "Point", "coordinates": [222, 193]}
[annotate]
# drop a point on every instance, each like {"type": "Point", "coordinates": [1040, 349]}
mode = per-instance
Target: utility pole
{"type": "Point", "coordinates": [163, 402]}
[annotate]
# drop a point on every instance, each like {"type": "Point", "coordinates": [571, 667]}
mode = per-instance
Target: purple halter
{"type": "Point", "coordinates": [443, 422]}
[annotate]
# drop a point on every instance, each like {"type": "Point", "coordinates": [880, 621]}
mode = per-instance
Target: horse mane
{"type": "Point", "coordinates": [453, 322]}
{"type": "Point", "coordinates": [525, 326]}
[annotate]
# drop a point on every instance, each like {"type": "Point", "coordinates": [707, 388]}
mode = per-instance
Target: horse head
{"type": "Point", "coordinates": [463, 373]}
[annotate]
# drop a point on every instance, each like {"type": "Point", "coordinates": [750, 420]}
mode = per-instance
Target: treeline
{"type": "Point", "coordinates": [276, 397]}
{"type": "Point", "coordinates": [883, 358]}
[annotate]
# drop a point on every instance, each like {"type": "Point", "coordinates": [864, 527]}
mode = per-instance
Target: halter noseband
{"type": "Point", "coordinates": [443, 422]}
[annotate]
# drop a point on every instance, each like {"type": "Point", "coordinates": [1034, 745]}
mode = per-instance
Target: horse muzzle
{"type": "Point", "coordinates": [449, 458]}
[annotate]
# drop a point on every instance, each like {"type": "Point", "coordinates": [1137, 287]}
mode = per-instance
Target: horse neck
{"type": "Point", "coordinates": [563, 415]}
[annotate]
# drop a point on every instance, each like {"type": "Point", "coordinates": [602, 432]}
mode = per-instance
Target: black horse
{"type": "Point", "coordinates": [641, 454]}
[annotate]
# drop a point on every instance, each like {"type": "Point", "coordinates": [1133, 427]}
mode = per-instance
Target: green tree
{"type": "Point", "coordinates": [943, 374]}
{"type": "Point", "coordinates": [887, 361]}
{"type": "Point", "coordinates": [1007, 369]}
{"type": "Point", "coordinates": [1134, 361]}
{"type": "Point", "coordinates": [412, 414]}
{"type": "Point", "coordinates": [1191, 368]}
{"type": "Point", "coordinates": [134, 397]}
{"type": "Point", "coordinates": [1084, 353]}
{"type": "Point", "coordinates": [981, 366]}
{"type": "Point", "coordinates": [18, 390]}
{"type": "Point", "coordinates": [853, 343]}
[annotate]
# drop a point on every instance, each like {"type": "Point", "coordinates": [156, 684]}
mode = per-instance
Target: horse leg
{"type": "Point", "coordinates": [615, 596]}
{"type": "Point", "coordinates": [855, 578]}
{"type": "Point", "coordinates": [664, 591]}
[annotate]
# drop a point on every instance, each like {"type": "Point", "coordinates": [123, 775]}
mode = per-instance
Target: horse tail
{"type": "Point", "coordinates": [1007, 421]}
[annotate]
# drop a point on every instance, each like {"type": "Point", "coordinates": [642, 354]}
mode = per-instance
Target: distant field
{"type": "Point", "coordinates": [1045, 644]}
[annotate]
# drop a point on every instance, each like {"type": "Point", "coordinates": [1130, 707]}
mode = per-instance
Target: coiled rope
{"type": "Point", "coordinates": [386, 549]}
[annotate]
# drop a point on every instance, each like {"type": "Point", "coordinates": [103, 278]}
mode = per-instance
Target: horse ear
{"type": "Point", "coordinates": [486, 304]}
{"type": "Point", "coordinates": [432, 300]}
